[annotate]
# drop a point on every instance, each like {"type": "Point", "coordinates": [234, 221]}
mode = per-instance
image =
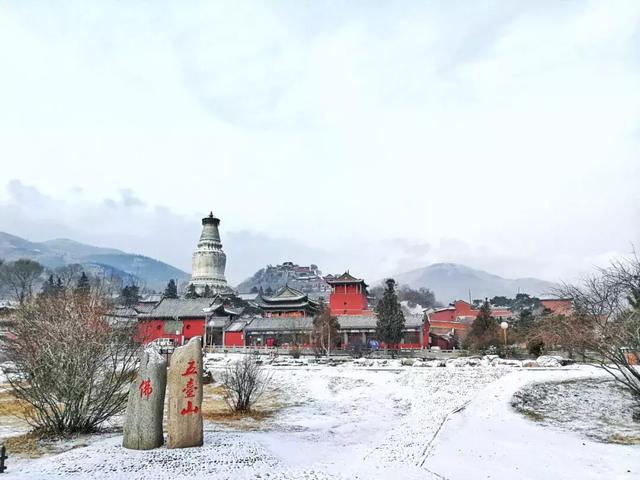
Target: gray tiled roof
{"type": "Point", "coordinates": [238, 326]}
{"type": "Point", "coordinates": [180, 308]}
{"type": "Point", "coordinates": [280, 323]}
{"type": "Point", "coordinates": [369, 321]}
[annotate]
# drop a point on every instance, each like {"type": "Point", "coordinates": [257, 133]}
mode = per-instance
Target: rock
{"type": "Point", "coordinates": [184, 423]}
{"type": "Point", "coordinates": [530, 364]}
{"type": "Point", "coordinates": [145, 405]}
{"type": "Point", "coordinates": [549, 361]}
{"type": "Point", "coordinates": [407, 362]}
{"type": "Point", "coordinates": [507, 362]}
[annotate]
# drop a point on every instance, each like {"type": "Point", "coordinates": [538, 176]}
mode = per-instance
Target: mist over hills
{"type": "Point", "coordinates": [60, 252]}
{"type": "Point", "coordinates": [451, 281]}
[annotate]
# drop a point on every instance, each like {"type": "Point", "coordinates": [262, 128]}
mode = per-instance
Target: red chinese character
{"type": "Point", "coordinates": [191, 369]}
{"type": "Point", "coordinates": [190, 409]}
{"type": "Point", "coordinates": [145, 388]}
{"type": "Point", "coordinates": [190, 389]}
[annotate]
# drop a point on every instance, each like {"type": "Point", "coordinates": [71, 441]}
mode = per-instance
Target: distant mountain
{"type": "Point", "coordinates": [307, 279]}
{"type": "Point", "coordinates": [59, 252]}
{"type": "Point", "coordinates": [450, 281]}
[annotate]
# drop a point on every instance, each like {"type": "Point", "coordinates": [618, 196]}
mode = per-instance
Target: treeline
{"type": "Point", "coordinates": [404, 293]}
{"type": "Point", "coordinates": [25, 279]}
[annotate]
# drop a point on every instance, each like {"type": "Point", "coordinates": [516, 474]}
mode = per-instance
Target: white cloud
{"type": "Point", "coordinates": [339, 128]}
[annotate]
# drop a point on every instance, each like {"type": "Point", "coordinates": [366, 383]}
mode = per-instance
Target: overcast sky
{"type": "Point", "coordinates": [377, 136]}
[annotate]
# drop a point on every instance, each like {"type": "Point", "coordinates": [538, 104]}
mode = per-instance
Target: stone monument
{"type": "Point", "coordinates": [184, 423]}
{"type": "Point", "coordinates": [145, 404]}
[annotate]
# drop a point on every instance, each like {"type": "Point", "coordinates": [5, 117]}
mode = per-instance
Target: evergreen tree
{"type": "Point", "coordinates": [130, 295]}
{"type": "Point", "coordinates": [49, 286]}
{"type": "Point", "coordinates": [208, 293]}
{"type": "Point", "coordinates": [172, 290]}
{"type": "Point", "coordinates": [59, 286]}
{"type": "Point", "coordinates": [191, 292]}
{"type": "Point", "coordinates": [268, 292]}
{"type": "Point", "coordinates": [390, 324]}
{"type": "Point", "coordinates": [484, 330]}
{"type": "Point", "coordinates": [83, 287]}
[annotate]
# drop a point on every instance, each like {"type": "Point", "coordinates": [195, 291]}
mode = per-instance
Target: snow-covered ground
{"type": "Point", "coordinates": [384, 421]}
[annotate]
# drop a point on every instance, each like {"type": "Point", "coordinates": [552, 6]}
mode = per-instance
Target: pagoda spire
{"type": "Point", "coordinates": [209, 260]}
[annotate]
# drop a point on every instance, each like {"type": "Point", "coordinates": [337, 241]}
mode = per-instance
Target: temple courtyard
{"type": "Point", "coordinates": [361, 420]}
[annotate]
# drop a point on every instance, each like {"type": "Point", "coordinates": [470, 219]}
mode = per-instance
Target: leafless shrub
{"type": "Point", "coordinates": [74, 365]}
{"type": "Point", "coordinates": [245, 381]}
{"type": "Point", "coordinates": [605, 321]}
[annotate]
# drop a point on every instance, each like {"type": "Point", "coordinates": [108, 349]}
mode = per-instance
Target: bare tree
{"type": "Point", "coordinates": [606, 320]}
{"type": "Point", "coordinates": [245, 382]}
{"type": "Point", "coordinates": [74, 365]}
{"type": "Point", "coordinates": [325, 330]}
{"type": "Point", "coordinates": [69, 274]}
{"type": "Point", "coordinates": [19, 278]}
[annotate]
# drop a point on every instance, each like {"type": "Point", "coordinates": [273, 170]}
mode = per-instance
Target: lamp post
{"type": "Point", "coordinates": [504, 326]}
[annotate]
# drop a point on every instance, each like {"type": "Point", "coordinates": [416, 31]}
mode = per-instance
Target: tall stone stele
{"type": "Point", "coordinates": [209, 260]}
{"type": "Point", "coordinates": [145, 404]}
{"type": "Point", "coordinates": [184, 424]}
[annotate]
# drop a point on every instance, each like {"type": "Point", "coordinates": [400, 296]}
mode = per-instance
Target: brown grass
{"type": "Point", "coordinates": [25, 445]}
{"type": "Point", "coordinates": [215, 409]}
{"type": "Point", "coordinates": [624, 439]}
{"type": "Point", "coordinates": [11, 406]}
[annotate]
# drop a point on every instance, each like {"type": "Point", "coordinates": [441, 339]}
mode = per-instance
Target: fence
{"type": "Point", "coordinates": [3, 457]}
{"type": "Point", "coordinates": [286, 350]}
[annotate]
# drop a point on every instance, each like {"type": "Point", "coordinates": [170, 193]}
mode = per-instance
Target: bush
{"type": "Point", "coordinates": [245, 382]}
{"type": "Point", "coordinates": [535, 347]}
{"type": "Point", "coordinates": [73, 366]}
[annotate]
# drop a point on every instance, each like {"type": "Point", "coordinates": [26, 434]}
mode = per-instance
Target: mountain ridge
{"type": "Point", "coordinates": [453, 281]}
{"type": "Point", "coordinates": [63, 251]}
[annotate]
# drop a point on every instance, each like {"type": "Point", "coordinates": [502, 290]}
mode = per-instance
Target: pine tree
{"type": "Point", "coordinates": [49, 286]}
{"type": "Point", "coordinates": [191, 292]}
{"type": "Point", "coordinates": [129, 295]}
{"type": "Point", "coordinates": [59, 286]}
{"type": "Point", "coordinates": [390, 324]}
{"type": "Point", "coordinates": [83, 287]}
{"type": "Point", "coordinates": [172, 290]}
{"type": "Point", "coordinates": [484, 330]}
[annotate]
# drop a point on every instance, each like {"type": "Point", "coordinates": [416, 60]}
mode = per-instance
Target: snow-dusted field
{"type": "Point", "coordinates": [376, 422]}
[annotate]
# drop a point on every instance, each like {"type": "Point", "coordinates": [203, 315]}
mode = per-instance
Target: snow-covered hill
{"type": "Point", "coordinates": [59, 252]}
{"type": "Point", "coordinates": [451, 281]}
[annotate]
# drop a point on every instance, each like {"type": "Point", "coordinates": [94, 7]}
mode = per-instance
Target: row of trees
{"type": "Point", "coordinates": [603, 326]}
{"type": "Point", "coordinates": [404, 293]}
{"type": "Point", "coordinates": [24, 279]}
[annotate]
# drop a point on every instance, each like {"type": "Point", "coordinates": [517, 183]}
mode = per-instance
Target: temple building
{"type": "Point", "coordinates": [181, 319]}
{"type": "Point", "coordinates": [209, 261]}
{"type": "Point", "coordinates": [348, 295]}
{"type": "Point", "coordinates": [287, 302]}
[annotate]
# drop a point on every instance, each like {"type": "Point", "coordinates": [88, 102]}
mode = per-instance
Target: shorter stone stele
{"type": "Point", "coordinates": [145, 404]}
{"type": "Point", "coordinates": [184, 418]}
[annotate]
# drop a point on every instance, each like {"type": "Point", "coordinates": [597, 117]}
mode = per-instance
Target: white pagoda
{"type": "Point", "coordinates": [209, 261]}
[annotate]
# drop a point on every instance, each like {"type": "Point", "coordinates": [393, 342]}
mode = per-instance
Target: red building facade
{"type": "Point", "coordinates": [348, 295]}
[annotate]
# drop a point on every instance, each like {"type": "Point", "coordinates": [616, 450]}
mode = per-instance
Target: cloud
{"type": "Point", "coordinates": [363, 134]}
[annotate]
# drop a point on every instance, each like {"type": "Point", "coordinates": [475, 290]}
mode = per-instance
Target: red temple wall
{"type": "Point", "coordinates": [233, 339]}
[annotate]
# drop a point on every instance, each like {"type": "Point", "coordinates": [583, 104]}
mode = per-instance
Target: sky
{"type": "Point", "coordinates": [373, 136]}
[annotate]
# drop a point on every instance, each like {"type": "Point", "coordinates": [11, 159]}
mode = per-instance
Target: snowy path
{"type": "Point", "coordinates": [488, 439]}
{"type": "Point", "coordinates": [342, 423]}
